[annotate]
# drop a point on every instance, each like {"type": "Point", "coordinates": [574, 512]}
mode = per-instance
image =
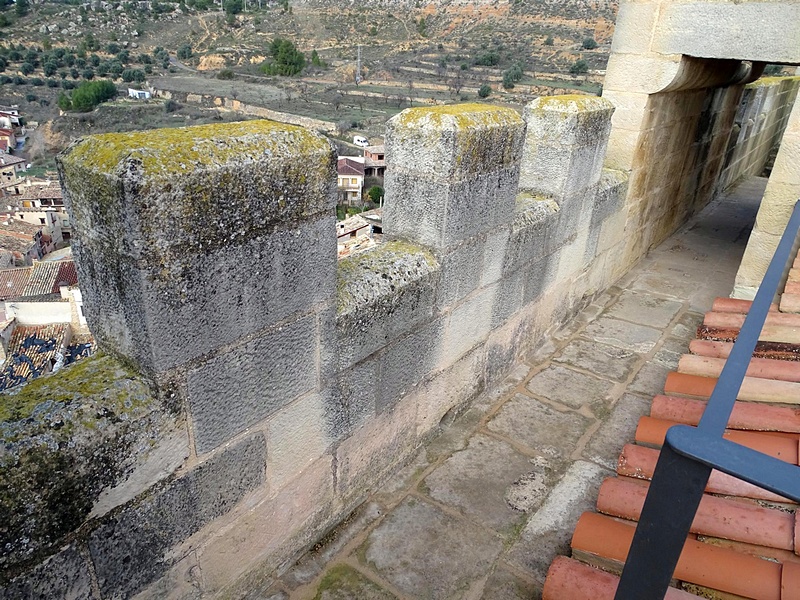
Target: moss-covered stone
{"type": "Point", "coordinates": [66, 437]}
{"type": "Point", "coordinates": [770, 81]}
{"type": "Point", "coordinates": [458, 116]}
{"type": "Point", "coordinates": [456, 141]}
{"type": "Point", "coordinates": [342, 582]}
{"type": "Point", "coordinates": [175, 151]}
{"type": "Point", "coordinates": [366, 277]}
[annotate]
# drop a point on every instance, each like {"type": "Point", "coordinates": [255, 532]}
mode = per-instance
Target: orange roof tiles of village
{"type": "Point", "coordinates": [41, 279]}
{"type": "Point", "coordinates": [348, 166]}
{"type": "Point", "coordinates": [39, 192]}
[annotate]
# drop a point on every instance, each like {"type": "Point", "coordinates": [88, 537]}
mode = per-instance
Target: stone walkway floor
{"type": "Point", "coordinates": [481, 511]}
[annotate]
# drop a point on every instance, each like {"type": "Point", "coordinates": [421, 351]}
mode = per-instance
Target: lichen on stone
{"type": "Point", "coordinates": [531, 209]}
{"type": "Point", "coordinates": [458, 116]}
{"type": "Point", "coordinates": [381, 273]}
{"type": "Point", "coordinates": [571, 103]}
{"type": "Point", "coordinates": [65, 437]}
{"type": "Point", "coordinates": [771, 81]}
{"type": "Point", "coordinates": [169, 152]}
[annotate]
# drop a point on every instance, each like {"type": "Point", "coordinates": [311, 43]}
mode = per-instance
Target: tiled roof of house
{"type": "Point", "coordinates": [31, 352]}
{"type": "Point", "coordinates": [39, 192]}
{"type": "Point", "coordinates": [13, 282]}
{"type": "Point", "coordinates": [41, 279]}
{"type": "Point", "coordinates": [8, 160]}
{"type": "Point", "coordinates": [349, 167]}
{"type": "Point", "coordinates": [745, 541]}
{"type": "Point", "coordinates": [350, 225]}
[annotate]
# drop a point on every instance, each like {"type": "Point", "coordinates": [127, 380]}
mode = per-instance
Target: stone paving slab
{"type": "Point", "coordinates": [476, 480]}
{"type": "Point", "coordinates": [568, 387]}
{"type": "Point", "coordinates": [601, 359]}
{"type": "Point", "coordinates": [622, 334]}
{"type": "Point", "coordinates": [343, 582]}
{"type": "Point", "coordinates": [552, 433]}
{"type": "Point", "coordinates": [619, 428]}
{"type": "Point", "coordinates": [428, 553]}
{"type": "Point", "coordinates": [480, 512]}
{"type": "Point", "coordinates": [645, 309]}
{"type": "Point", "coordinates": [550, 529]}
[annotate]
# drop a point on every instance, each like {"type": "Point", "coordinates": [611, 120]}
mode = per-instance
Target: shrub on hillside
{"type": "Point", "coordinates": [287, 60]}
{"type": "Point", "coordinates": [88, 95]}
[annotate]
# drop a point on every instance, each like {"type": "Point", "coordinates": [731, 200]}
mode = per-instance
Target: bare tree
{"type": "Point", "coordinates": [456, 84]}
{"type": "Point", "coordinates": [302, 88]}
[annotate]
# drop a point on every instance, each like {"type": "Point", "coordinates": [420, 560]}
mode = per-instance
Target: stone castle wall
{"type": "Point", "coordinates": [288, 386]}
{"type": "Point", "coordinates": [758, 127]}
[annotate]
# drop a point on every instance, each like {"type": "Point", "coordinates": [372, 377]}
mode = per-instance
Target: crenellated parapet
{"type": "Point", "coordinates": [207, 261]}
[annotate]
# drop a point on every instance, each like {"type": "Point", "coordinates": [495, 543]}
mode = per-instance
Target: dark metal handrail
{"type": "Point", "coordinates": [690, 453]}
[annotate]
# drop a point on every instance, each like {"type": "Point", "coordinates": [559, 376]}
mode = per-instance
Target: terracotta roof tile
{"type": "Point", "coordinates": [48, 277]}
{"type": "Point", "coordinates": [32, 350]}
{"type": "Point", "coordinates": [13, 282]}
{"type": "Point", "coordinates": [346, 166]}
{"type": "Point", "coordinates": [40, 192]}
{"type": "Point", "coordinates": [737, 547]}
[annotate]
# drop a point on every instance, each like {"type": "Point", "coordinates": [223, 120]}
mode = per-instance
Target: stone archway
{"type": "Point", "coordinates": [676, 76]}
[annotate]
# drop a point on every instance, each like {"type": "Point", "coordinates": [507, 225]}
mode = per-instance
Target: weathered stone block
{"type": "Point", "coordinates": [240, 387]}
{"type": "Point", "coordinates": [64, 575]}
{"type": "Point", "coordinates": [269, 533]}
{"type": "Point", "coordinates": [297, 435]}
{"type": "Point", "coordinates": [66, 438]}
{"type": "Point", "coordinates": [534, 224]}
{"type": "Point", "coordinates": [131, 550]}
{"type": "Point", "coordinates": [460, 276]}
{"type": "Point", "coordinates": [455, 142]}
{"type": "Point", "coordinates": [351, 400]}
{"type": "Point", "coordinates": [173, 230]}
{"type": "Point", "coordinates": [610, 195]}
{"type": "Point", "coordinates": [382, 294]}
{"type": "Point", "coordinates": [565, 144]}
{"type": "Point", "coordinates": [441, 213]}
{"type": "Point", "coordinates": [494, 255]}
{"type": "Point", "coordinates": [453, 387]}
{"type": "Point", "coordinates": [406, 362]}
{"type": "Point", "coordinates": [469, 325]}
{"type": "Point", "coordinates": [364, 459]}
{"type": "Point", "coordinates": [453, 172]}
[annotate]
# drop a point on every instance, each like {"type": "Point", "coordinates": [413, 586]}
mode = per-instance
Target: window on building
{"type": "Point", "coordinates": [41, 220]}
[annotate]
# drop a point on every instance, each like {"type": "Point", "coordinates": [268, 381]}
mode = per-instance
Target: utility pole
{"type": "Point", "coordinates": [358, 66]}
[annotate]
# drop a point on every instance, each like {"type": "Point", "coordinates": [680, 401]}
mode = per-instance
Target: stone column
{"type": "Point", "coordinates": [206, 257]}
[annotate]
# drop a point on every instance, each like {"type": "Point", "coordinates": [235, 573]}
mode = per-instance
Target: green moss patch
{"type": "Point", "coordinates": [66, 437]}
{"type": "Point", "coordinates": [168, 152]}
{"type": "Point", "coordinates": [364, 278]}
